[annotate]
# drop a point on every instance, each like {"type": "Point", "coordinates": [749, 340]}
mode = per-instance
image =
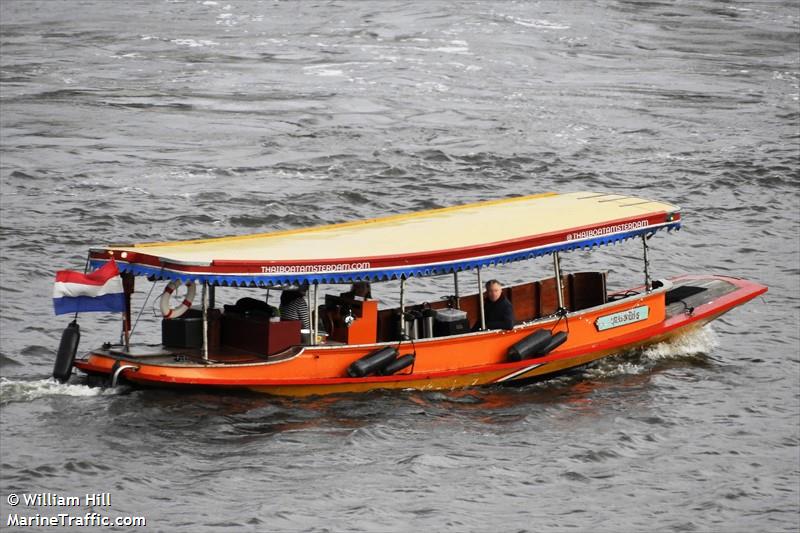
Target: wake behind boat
{"type": "Point", "coordinates": [351, 344]}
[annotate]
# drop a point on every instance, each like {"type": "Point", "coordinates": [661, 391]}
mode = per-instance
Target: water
{"type": "Point", "coordinates": [140, 121]}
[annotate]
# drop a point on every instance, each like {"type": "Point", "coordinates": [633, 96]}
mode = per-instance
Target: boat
{"type": "Point", "coordinates": [353, 344]}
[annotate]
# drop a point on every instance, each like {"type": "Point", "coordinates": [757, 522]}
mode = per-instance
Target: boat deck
{"type": "Point", "coordinates": [685, 295]}
{"type": "Point", "coordinates": [157, 354]}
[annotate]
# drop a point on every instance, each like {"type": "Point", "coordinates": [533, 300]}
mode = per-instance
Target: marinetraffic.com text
{"type": "Point", "coordinates": [47, 509]}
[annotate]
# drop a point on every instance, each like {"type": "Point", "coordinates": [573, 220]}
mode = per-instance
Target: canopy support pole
{"type": "Point", "coordinates": [314, 315]}
{"type": "Point", "coordinates": [480, 299]}
{"type": "Point", "coordinates": [455, 290]}
{"type": "Point", "coordinates": [127, 287]}
{"type": "Point", "coordinates": [559, 288]}
{"type": "Point", "coordinates": [402, 306]}
{"type": "Point", "coordinates": [204, 298]}
{"type": "Point", "coordinates": [648, 283]}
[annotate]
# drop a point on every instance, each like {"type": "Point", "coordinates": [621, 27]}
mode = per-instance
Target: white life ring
{"type": "Point", "coordinates": [185, 304]}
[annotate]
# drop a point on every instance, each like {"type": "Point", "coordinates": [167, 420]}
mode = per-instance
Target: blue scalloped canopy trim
{"type": "Point", "coordinates": [266, 280]}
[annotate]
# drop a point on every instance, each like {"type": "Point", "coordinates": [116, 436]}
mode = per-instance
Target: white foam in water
{"type": "Point", "coordinates": [694, 342]}
{"type": "Point", "coordinates": [536, 23]}
{"type": "Point", "coordinates": [26, 391]}
{"type": "Point", "coordinates": [192, 43]}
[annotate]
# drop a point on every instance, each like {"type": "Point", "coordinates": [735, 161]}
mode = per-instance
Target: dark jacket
{"type": "Point", "coordinates": [499, 314]}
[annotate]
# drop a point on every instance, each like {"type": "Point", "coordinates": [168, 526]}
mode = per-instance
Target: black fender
{"type": "Point", "coordinates": [373, 362]}
{"type": "Point", "coordinates": [62, 369]}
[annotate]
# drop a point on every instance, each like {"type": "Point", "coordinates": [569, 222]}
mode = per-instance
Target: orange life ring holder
{"type": "Point", "coordinates": [185, 304]}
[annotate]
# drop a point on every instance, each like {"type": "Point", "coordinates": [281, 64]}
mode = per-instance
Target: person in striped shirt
{"type": "Point", "coordinates": [295, 307]}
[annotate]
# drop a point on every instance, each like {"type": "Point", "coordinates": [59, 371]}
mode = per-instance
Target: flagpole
{"type": "Point", "coordinates": [85, 270]}
{"type": "Point", "coordinates": [128, 284]}
{"type": "Point", "coordinates": [126, 331]}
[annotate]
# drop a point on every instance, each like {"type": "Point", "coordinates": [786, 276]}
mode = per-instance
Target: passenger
{"type": "Point", "coordinates": [360, 290]}
{"type": "Point", "coordinates": [295, 307]}
{"type": "Point", "coordinates": [498, 311]}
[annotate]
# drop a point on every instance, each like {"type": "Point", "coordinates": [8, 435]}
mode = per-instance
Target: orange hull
{"type": "Point", "coordinates": [441, 363]}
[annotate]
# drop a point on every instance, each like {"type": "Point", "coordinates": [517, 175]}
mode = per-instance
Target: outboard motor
{"type": "Point", "coordinates": [371, 363]}
{"type": "Point", "coordinates": [62, 369]}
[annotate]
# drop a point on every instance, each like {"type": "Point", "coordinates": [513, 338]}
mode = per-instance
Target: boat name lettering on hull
{"type": "Point", "coordinates": [301, 269]}
{"type": "Point", "coordinates": [623, 318]}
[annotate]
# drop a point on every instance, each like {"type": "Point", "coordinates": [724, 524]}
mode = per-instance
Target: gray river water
{"type": "Point", "coordinates": [152, 120]}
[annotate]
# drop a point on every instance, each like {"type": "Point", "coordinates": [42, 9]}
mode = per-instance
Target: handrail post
{"type": "Point", "coordinates": [648, 283]}
{"type": "Point", "coordinates": [402, 306]}
{"type": "Point", "coordinates": [315, 315]}
{"type": "Point", "coordinates": [480, 300]}
{"type": "Point", "coordinates": [559, 288]}
{"type": "Point", "coordinates": [455, 290]}
{"type": "Point", "coordinates": [204, 299]}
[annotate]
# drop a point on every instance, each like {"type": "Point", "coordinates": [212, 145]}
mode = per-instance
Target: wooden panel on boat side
{"type": "Point", "coordinates": [471, 305]}
{"type": "Point", "coordinates": [548, 296]}
{"type": "Point", "coordinates": [588, 289]}
{"type": "Point", "coordinates": [525, 301]}
{"type": "Point", "coordinates": [388, 327]}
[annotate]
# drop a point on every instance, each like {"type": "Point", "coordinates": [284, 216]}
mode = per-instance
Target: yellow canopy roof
{"type": "Point", "coordinates": [421, 243]}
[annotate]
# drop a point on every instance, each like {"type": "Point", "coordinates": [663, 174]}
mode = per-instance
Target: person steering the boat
{"type": "Point", "coordinates": [360, 290]}
{"type": "Point", "coordinates": [295, 307]}
{"type": "Point", "coordinates": [498, 311]}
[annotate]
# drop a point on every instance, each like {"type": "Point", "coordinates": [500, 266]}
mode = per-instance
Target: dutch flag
{"type": "Point", "coordinates": [100, 290]}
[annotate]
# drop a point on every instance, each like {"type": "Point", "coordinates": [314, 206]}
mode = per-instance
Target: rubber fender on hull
{"type": "Point", "coordinates": [398, 364]}
{"type": "Point", "coordinates": [556, 341]}
{"type": "Point", "coordinates": [62, 369]}
{"type": "Point", "coordinates": [530, 345]}
{"type": "Point", "coordinates": [371, 363]}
